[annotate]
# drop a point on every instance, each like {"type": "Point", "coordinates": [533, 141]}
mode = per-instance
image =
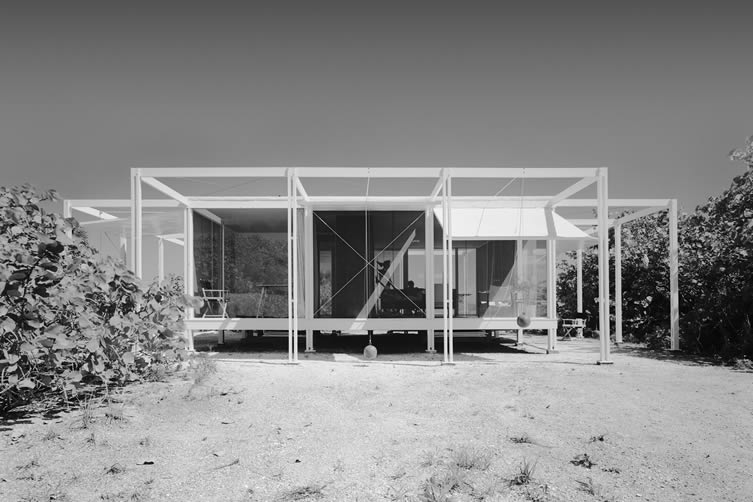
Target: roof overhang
{"type": "Point", "coordinates": [501, 223]}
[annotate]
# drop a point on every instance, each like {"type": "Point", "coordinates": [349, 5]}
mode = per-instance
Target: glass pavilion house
{"type": "Point", "coordinates": [434, 250]}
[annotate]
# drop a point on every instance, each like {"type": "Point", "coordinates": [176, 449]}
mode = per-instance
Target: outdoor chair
{"type": "Point", "coordinates": [215, 301]}
{"type": "Point", "coordinates": [577, 324]}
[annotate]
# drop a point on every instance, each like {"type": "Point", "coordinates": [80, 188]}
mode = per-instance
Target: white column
{"type": "Point", "coordinates": [296, 293]}
{"type": "Point", "coordinates": [517, 300]}
{"type": "Point", "coordinates": [579, 283]}
{"type": "Point", "coordinates": [188, 268]}
{"type": "Point", "coordinates": [429, 271]}
{"type": "Point", "coordinates": [451, 269]}
{"type": "Point", "coordinates": [618, 283]}
{"type": "Point", "coordinates": [67, 213]}
{"type": "Point", "coordinates": [445, 217]}
{"type": "Point", "coordinates": [674, 271]}
{"type": "Point", "coordinates": [136, 223]}
{"type": "Point", "coordinates": [290, 266]}
{"type": "Point", "coordinates": [603, 247]}
{"type": "Point", "coordinates": [308, 270]}
{"type": "Point", "coordinates": [551, 297]}
{"type": "Point", "coordinates": [161, 260]}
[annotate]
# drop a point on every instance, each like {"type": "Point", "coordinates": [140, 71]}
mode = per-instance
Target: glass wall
{"type": "Point", "coordinates": [370, 264]}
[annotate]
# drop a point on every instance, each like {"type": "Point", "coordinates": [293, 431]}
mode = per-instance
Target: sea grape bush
{"type": "Point", "coordinates": [70, 318]}
{"type": "Point", "coordinates": [715, 276]}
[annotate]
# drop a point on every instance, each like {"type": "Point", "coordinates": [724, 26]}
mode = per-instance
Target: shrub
{"type": "Point", "coordinates": [70, 318]}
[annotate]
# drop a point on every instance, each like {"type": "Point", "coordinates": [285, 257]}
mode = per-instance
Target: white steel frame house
{"type": "Point", "coordinates": [467, 217]}
{"type": "Point", "coordinates": [439, 201]}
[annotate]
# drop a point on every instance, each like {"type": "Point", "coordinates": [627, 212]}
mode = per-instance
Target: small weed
{"type": "Point", "coordinates": [307, 492]}
{"type": "Point", "coordinates": [123, 497]}
{"type": "Point", "coordinates": [600, 437]}
{"type": "Point", "coordinates": [526, 469]}
{"type": "Point", "coordinates": [339, 466]}
{"type": "Point", "coordinates": [113, 414]}
{"type": "Point", "coordinates": [29, 465]}
{"type": "Point", "coordinates": [439, 487]}
{"type": "Point", "coordinates": [50, 435]}
{"type": "Point", "coordinates": [157, 372]}
{"type": "Point", "coordinates": [583, 460]}
{"type": "Point", "coordinates": [431, 458]}
{"type": "Point", "coordinates": [538, 493]}
{"type": "Point", "coordinates": [91, 439]}
{"type": "Point", "coordinates": [471, 458]}
{"type": "Point", "coordinates": [146, 442]}
{"type": "Point", "coordinates": [86, 417]}
{"type": "Point", "coordinates": [202, 368]}
{"type": "Point", "coordinates": [115, 469]}
{"type": "Point", "coordinates": [594, 489]}
{"type": "Point", "coordinates": [524, 439]}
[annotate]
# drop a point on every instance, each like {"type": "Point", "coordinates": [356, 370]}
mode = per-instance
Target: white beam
{"type": "Point", "coordinates": [613, 203]}
{"type": "Point", "coordinates": [214, 172]}
{"type": "Point", "coordinates": [188, 269]}
{"type": "Point", "coordinates": [208, 215]}
{"type": "Point", "coordinates": [603, 248]}
{"type": "Point", "coordinates": [674, 270]}
{"type": "Point", "coordinates": [158, 185]}
{"type": "Point", "coordinates": [308, 279]}
{"type": "Point", "coordinates": [450, 270]}
{"type": "Point", "coordinates": [121, 203]}
{"type": "Point", "coordinates": [437, 188]}
{"type": "Point", "coordinates": [93, 212]}
{"type": "Point", "coordinates": [137, 225]}
{"type": "Point", "coordinates": [571, 190]}
{"type": "Point", "coordinates": [429, 271]}
{"type": "Point", "coordinates": [639, 214]}
{"type": "Point", "coordinates": [301, 189]}
{"type": "Point", "coordinates": [579, 284]}
{"type": "Point", "coordinates": [618, 283]}
{"type": "Point", "coordinates": [551, 307]}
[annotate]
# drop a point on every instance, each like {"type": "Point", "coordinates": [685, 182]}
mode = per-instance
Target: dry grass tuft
{"type": "Point", "coordinates": [307, 492]}
{"type": "Point", "coordinates": [471, 458]}
{"type": "Point", "coordinates": [525, 473]}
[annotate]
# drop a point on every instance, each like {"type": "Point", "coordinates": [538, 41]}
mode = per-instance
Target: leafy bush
{"type": "Point", "coordinates": [69, 318]}
{"type": "Point", "coordinates": [715, 276]}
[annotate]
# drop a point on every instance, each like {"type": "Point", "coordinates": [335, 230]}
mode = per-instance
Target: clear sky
{"type": "Point", "coordinates": [659, 94]}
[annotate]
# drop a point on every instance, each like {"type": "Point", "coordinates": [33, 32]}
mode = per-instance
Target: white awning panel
{"type": "Point", "coordinates": [496, 223]}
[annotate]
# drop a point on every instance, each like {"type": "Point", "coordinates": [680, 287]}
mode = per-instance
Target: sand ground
{"type": "Point", "coordinates": [403, 427]}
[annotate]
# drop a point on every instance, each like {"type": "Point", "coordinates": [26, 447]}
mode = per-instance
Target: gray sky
{"type": "Point", "coordinates": [657, 94]}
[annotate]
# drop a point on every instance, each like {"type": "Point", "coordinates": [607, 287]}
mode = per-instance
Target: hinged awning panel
{"type": "Point", "coordinates": [496, 223]}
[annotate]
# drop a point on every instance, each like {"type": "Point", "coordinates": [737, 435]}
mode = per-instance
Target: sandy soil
{"type": "Point", "coordinates": [336, 427]}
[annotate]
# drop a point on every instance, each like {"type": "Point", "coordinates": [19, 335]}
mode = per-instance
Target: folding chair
{"type": "Point", "coordinates": [215, 301]}
{"type": "Point", "coordinates": [577, 324]}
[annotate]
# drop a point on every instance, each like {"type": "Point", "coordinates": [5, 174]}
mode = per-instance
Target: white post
{"type": "Point", "coordinates": [551, 297]}
{"type": "Point", "coordinates": [293, 180]}
{"type": "Point", "coordinates": [674, 271]}
{"type": "Point", "coordinates": [618, 283]}
{"type": "Point", "coordinates": [222, 257]}
{"type": "Point", "coordinates": [602, 210]}
{"type": "Point", "coordinates": [67, 213]}
{"type": "Point", "coordinates": [517, 301]}
{"type": "Point", "coordinates": [444, 267]}
{"type": "Point", "coordinates": [290, 267]}
{"type": "Point", "coordinates": [188, 268]}
{"type": "Point", "coordinates": [579, 283]}
{"type": "Point", "coordinates": [429, 271]}
{"type": "Point", "coordinates": [160, 260]}
{"type": "Point", "coordinates": [308, 271]}
{"type": "Point", "coordinates": [451, 268]}
{"type": "Point", "coordinates": [136, 224]}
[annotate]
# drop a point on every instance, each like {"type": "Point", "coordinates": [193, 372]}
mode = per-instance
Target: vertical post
{"type": "Point", "coordinates": [222, 255]}
{"type": "Point", "coordinates": [579, 283]}
{"type": "Point", "coordinates": [188, 267]}
{"type": "Point", "coordinates": [429, 281]}
{"type": "Point", "coordinates": [451, 269]}
{"type": "Point", "coordinates": [290, 267]}
{"type": "Point", "coordinates": [445, 217]}
{"type": "Point", "coordinates": [296, 295]}
{"type": "Point", "coordinates": [519, 272]}
{"type": "Point", "coordinates": [618, 283]}
{"type": "Point", "coordinates": [136, 224]}
{"type": "Point", "coordinates": [160, 260]}
{"type": "Point", "coordinates": [308, 270]}
{"type": "Point", "coordinates": [602, 211]}
{"type": "Point", "coordinates": [67, 213]}
{"type": "Point", "coordinates": [551, 296]}
{"type": "Point", "coordinates": [674, 271]}
{"type": "Point", "coordinates": [123, 246]}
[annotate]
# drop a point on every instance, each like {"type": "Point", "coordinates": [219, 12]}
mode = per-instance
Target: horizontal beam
{"type": "Point", "coordinates": [368, 172]}
{"type": "Point", "coordinates": [158, 185]}
{"type": "Point", "coordinates": [571, 190]}
{"type": "Point", "coordinates": [613, 203]}
{"type": "Point", "coordinates": [124, 203]}
{"type": "Point", "coordinates": [638, 214]}
{"type": "Point", "coordinates": [209, 215]}
{"type": "Point", "coordinates": [94, 212]}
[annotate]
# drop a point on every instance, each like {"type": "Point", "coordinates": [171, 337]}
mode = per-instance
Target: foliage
{"type": "Point", "coordinates": [715, 275]}
{"type": "Point", "coordinates": [69, 318]}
